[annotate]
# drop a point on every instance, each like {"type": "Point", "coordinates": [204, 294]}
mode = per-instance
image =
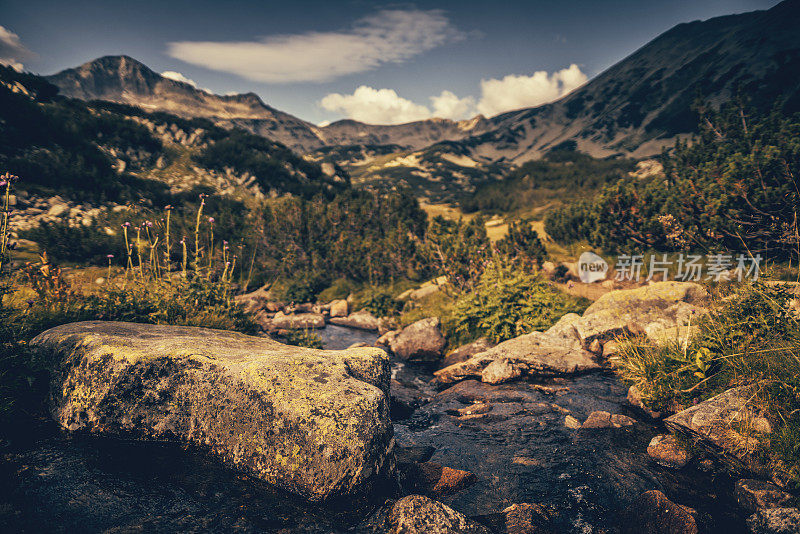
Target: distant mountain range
{"type": "Point", "coordinates": [634, 108]}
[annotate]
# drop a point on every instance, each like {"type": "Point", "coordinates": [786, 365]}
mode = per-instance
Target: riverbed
{"type": "Point", "coordinates": [518, 446]}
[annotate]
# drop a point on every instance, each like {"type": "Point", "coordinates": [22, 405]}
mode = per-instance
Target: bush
{"type": "Point", "coordinates": [381, 304]}
{"type": "Point", "coordinates": [509, 302]}
{"type": "Point", "coordinates": [733, 188]}
{"type": "Point", "coordinates": [302, 338]}
{"type": "Point", "coordinates": [750, 338]}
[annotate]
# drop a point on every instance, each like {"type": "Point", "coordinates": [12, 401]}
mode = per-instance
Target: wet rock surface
{"type": "Point", "coordinates": [654, 513]}
{"type": "Point", "coordinates": [775, 521]}
{"type": "Point", "coordinates": [754, 495]}
{"type": "Point", "coordinates": [531, 473]}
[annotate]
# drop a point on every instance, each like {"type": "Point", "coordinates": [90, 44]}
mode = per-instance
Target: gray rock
{"type": "Point", "coordinates": [420, 341]}
{"type": "Point", "coordinates": [298, 321]}
{"type": "Point", "coordinates": [754, 495]}
{"type": "Point", "coordinates": [665, 450]}
{"type": "Point", "coordinates": [465, 352]}
{"type": "Point", "coordinates": [340, 308]}
{"type": "Point", "coordinates": [362, 320]}
{"type": "Point", "coordinates": [315, 423]}
{"type": "Point", "coordinates": [667, 304]}
{"type": "Point", "coordinates": [711, 424]}
{"type": "Point", "coordinates": [417, 514]}
{"type": "Point", "coordinates": [500, 371]}
{"type": "Point", "coordinates": [601, 419]}
{"type": "Point", "coordinates": [775, 521]}
{"type": "Point", "coordinates": [555, 352]}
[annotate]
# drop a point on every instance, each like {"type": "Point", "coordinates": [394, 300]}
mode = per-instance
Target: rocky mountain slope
{"type": "Point", "coordinates": [645, 101]}
{"type": "Point", "coordinates": [78, 159]}
{"type": "Point", "coordinates": [125, 80]}
{"type": "Point", "coordinates": [634, 108]}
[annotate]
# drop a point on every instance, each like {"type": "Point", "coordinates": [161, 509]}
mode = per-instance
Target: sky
{"type": "Point", "coordinates": [374, 61]}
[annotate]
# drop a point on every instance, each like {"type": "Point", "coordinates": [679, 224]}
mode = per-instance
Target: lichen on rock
{"type": "Point", "coordinates": [313, 422]}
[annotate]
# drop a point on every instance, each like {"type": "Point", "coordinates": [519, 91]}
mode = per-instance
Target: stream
{"type": "Point", "coordinates": [518, 446]}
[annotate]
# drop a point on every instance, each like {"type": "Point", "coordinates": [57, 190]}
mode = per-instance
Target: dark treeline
{"type": "Point", "coordinates": [561, 175]}
{"type": "Point", "coordinates": [734, 187]}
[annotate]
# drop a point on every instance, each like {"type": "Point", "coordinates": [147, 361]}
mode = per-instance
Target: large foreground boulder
{"type": "Point", "coordinates": [557, 351]}
{"type": "Point", "coordinates": [313, 422]}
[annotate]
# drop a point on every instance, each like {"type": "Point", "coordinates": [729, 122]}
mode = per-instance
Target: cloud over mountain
{"type": "Point", "coordinates": [385, 106]}
{"type": "Point", "coordinates": [12, 51]}
{"type": "Point", "coordinates": [389, 36]}
{"type": "Point", "coordinates": [516, 92]}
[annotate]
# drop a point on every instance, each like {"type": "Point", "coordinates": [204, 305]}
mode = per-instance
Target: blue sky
{"type": "Point", "coordinates": [374, 61]}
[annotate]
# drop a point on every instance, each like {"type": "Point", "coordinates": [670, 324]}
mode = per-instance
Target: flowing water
{"type": "Point", "coordinates": [517, 446]}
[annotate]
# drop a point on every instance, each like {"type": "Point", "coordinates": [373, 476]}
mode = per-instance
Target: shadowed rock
{"type": "Point", "coordinates": [653, 513]}
{"type": "Point", "coordinates": [312, 422]}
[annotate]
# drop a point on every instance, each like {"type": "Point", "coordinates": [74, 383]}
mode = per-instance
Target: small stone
{"type": "Point", "coordinates": [610, 348]}
{"type": "Point", "coordinates": [597, 419]}
{"type": "Point", "coordinates": [500, 371]}
{"type": "Point", "coordinates": [596, 347]}
{"type": "Point", "coordinates": [100, 281]}
{"type": "Point", "coordinates": [653, 513]}
{"type": "Point", "coordinates": [619, 420]}
{"type": "Point", "coordinates": [417, 514]}
{"type": "Point", "coordinates": [340, 308]}
{"type": "Point", "coordinates": [634, 398]}
{"type": "Point", "coordinates": [665, 450]}
{"type": "Point", "coordinates": [526, 518]}
{"type": "Point", "coordinates": [754, 495]}
{"type": "Point", "coordinates": [775, 521]}
{"type": "Point", "coordinates": [761, 425]}
{"type": "Point", "coordinates": [432, 479]}
{"type": "Point", "coordinates": [571, 422]}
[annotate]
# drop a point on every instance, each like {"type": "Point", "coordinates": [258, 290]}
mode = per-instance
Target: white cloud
{"type": "Point", "coordinates": [389, 36]}
{"type": "Point", "coordinates": [385, 106]}
{"type": "Point", "coordinates": [375, 106]}
{"type": "Point", "coordinates": [520, 91]}
{"type": "Point", "coordinates": [178, 77]}
{"type": "Point", "coordinates": [449, 106]}
{"type": "Point", "coordinates": [12, 51]}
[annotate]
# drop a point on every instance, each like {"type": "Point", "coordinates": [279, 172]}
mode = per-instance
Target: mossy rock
{"type": "Point", "coordinates": [313, 422]}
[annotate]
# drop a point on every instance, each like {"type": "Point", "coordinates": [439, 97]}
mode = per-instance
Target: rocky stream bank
{"type": "Point", "coordinates": [533, 435]}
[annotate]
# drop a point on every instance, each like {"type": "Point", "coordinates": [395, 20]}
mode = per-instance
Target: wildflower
{"type": "Point", "coordinates": [168, 207]}
{"type": "Point", "coordinates": [149, 224]}
{"type": "Point", "coordinates": [109, 256]}
{"type": "Point", "coordinates": [3, 182]}
{"type": "Point", "coordinates": [211, 220]}
{"type": "Point", "coordinates": [126, 225]}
